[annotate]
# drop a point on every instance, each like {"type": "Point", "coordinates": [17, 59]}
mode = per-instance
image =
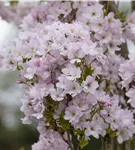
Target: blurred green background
{"type": "Point", "coordinates": [13, 134]}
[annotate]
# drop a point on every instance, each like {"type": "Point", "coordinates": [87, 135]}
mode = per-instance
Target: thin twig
{"type": "Point", "coordinates": [107, 7]}
{"type": "Point", "coordinates": [69, 141]}
{"type": "Point", "coordinates": [66, 141]}
{"type": "Point", "coordinates": [118, 3]}
{"type": "Point", "coordinates": [69, 17]}
{"type": "Point", "coordinates": [78, 147]}
{"type": "Point", "coordinates": [133, 5]}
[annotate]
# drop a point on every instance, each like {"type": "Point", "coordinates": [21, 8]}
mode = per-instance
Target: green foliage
{"type": "Point", "coordinates": [13, 3]}
{"type": "Point", "coordinates": [106, 51]}
{"type": "Point", "coordinates": [88, 70]}
{"type": "Point", "coordinates": [107, 86]}
{"type": "Point", "coordinates": [63, 123]}
{"type": "Point", "coordinates": [19, 68]}
{"type": "Point", "coordinates": [83, 142]}
{"type": "Point", "coordinates": [81, 138]}
{"type": "Point", "coordinates": [51, 106]}
{"type": "Point", "coordinates": [121, 15]}
{"type": "Point", "coordinates": [78, 132]}
{"type": "Point", "coordinates": [26, 59]}
{"type": "Point", "coordinates": [99, 78]}
{"type": "Point", "coordinates": [110, 132]}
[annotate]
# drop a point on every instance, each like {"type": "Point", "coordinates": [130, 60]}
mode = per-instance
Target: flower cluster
{"type": "Point", "coordinates": [66, 57]}
{"type": "Point", "coordinates": [127, 73]}
{"type": "Point", "coordinates": [126, 70]}
{"type": "Point", "coordinates": [129, 27]}
{"type": "Point", "coordinates": [15, 11]}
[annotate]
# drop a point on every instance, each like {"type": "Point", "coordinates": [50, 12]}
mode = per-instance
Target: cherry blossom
{"type": "Point", "coordinates": [73, 78]}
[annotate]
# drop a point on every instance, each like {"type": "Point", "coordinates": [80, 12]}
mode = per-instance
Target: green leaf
{"type": "Point", "coordinates": [80, 80]}
{"type": "Point", "coordinates": [13, 3]}
{"type": "Point", "coordinates": [106, 51]}
{"type": "Point", "coordinates": [26, 59]}
{"type": "Point", "coordinates": [88, 70]}
{"type": "Point", "coordinates": [83, 142]}
{"type": "Point", "coordinates": [19, 68]}
{"type": "Point", "coordinates": [51, 106]}
{"type": "Point", "coordinates": [110, 132]}
{"type": "Point", "coordinates": [78, 132]}
{"type": "Point", "coordinates": [64, 123]}
{"type": "Point", "coordinates": [99, 78]}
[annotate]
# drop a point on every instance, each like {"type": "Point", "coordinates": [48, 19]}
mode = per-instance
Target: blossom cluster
{"type": "Point", "coordinates": [66, 57]}
{"type": "Point", "coordinates": [16, 11]}
{"type": "Point", "coordinates": [126, 71]}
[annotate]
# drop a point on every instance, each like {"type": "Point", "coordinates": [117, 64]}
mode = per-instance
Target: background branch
{"type": "Point", "coordinates": [112, 7]}
{"type": "Point", "coordinates": [133, 5]}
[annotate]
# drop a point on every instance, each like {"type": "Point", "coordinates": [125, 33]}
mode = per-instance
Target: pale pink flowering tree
{"type": "Point", "coordinates": [15, 11]}
{"type": "Point", "coordinates": [74, 79]}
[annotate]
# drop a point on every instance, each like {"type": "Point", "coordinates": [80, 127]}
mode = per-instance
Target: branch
{"type": "Point", "coordinates": [71, 16]}
{"type": "Point", "coordinates": [69, 141]}
{"type": "Point", "coordinates": [133, 5]}
{"type": "Point", "coordinates": [78, 147]}
{"type": "Point", "coordinates": [112, 7]}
